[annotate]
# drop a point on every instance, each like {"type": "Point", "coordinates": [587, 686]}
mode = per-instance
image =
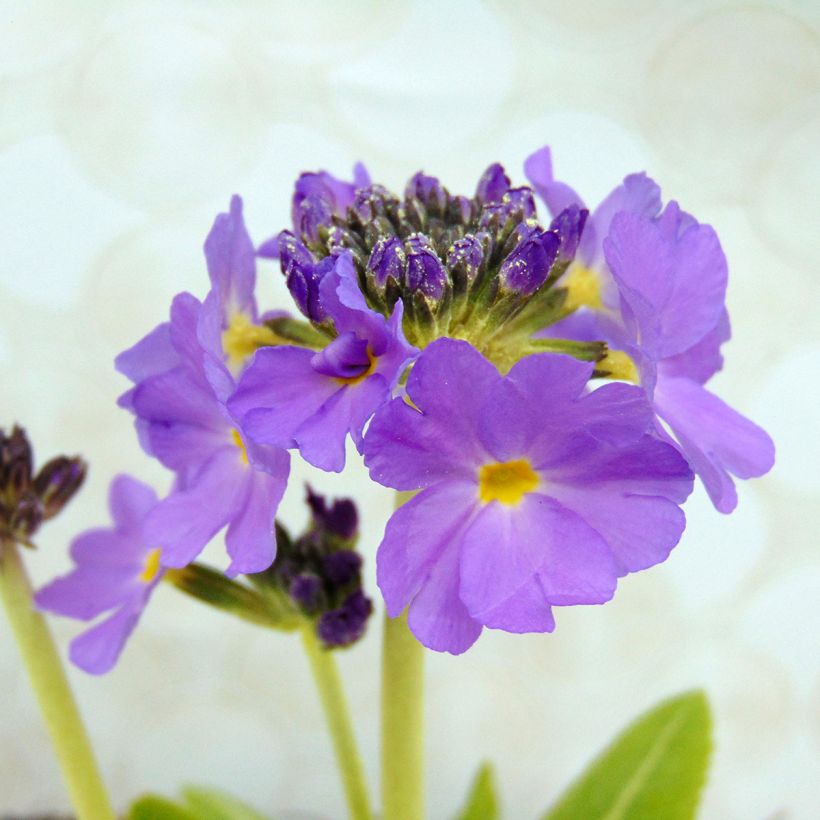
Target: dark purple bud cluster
{"type": "Point", "coordinates": [320, 571]}
{"type": "Point", "coordinates": [456, 262]}
{"type": "Point", "coordinates": [27, 499]}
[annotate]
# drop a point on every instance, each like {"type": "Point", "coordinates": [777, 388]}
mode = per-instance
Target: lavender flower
{"type": "Point", "coordinates": [671, 276]}
{"type": "Point", "coordinates": [535, 493]}
{"type": "Point", "coordinates": [294, 397]}
{"type": "Point", "coordinates": [222, 479]}
{"type": "Point", "coordinates": [116, 571]}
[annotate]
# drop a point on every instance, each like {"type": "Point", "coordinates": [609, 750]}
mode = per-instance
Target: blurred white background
{"type": "Point", "coordinates": [125, 127]}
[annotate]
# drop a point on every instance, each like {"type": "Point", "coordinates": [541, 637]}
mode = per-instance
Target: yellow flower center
{"type": "Point", "coordinates": [583, 288]}
{"type": "Point", "coordinates": [150, 568]}
{"type": "Point", "coordinates": [243, 337]}
{"type": "Point", "coordinates": [619, 365]}
{"type": "Point", "coordinates": [237, 440]}
{"type": "Point", "coordinates": [362, 376]}
{"type": "Point", "coordinates": [507, 482]}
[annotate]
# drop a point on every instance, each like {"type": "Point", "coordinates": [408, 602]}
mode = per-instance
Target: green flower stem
{"type": "Point", "coordinates": [48, 679]}
{"type": "Point", "coordinates": [331, 694]}
{"type": "Point", "coordinates": [402, 722]}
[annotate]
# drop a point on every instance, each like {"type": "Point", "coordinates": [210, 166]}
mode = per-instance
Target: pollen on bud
{"type": "Point", "coordinates": [425, 272]}
{"type": "Point", "coordinates": [569, 225]}
{"type": "Point", "coordinates": [388, 260]}
{"type": "Point", "coordinates": [528, 265]}
{"type": "Point", "coordinates": [494, 183]}
{"type": "Point", "coordinates": [429, 191]}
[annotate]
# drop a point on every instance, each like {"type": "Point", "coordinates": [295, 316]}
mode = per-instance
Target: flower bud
{"type": "Point", "coordinates": [345, 625]}
{"type": "Point", "coordinates": [57, 482]}
{"type": "Point", "coordinates": [569, 225]}
{"type": "Point", "coordinates": [387, 260]}
{"type": "Point", "coordinates": [493, 184]}
{"type": "Point", "coordinates": [526, 268]}
{"type": "Point", "coordinates": [425, 273]}
{"type": "Point", "coordinates": [429, 191]}
{"type": "Point", "coordinates": [464, 260]}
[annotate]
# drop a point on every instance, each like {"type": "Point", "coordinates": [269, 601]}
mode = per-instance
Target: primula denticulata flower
{"type": "Point", "coordinates": [474, 353]}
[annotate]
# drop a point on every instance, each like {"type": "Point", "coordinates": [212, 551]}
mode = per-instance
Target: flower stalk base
{"type": "Point", "coordinates": [62, 719]}
{"type": "Point", "coordinates": [402, 722]}
{"type": "Point", "coordinates": [331, 694]}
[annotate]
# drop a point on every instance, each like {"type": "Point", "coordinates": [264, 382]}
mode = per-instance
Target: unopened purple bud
{"type": "Point", "coordinates": [306, 591]}
{"type": "Point", "coordinates": [57, 482]}
{"type": "Point", "coordinates": [312, 213]}
{"type": "Point", "coordinates": [388, 259]}
{"type": "Point", "coordinates": [569, 225]}
{"type": "Point", "coordinates": [298, 265]}
{"type": "Point", "coordinates": [465, 257]}
{"type": "Point", "coordinates": [493, 184]}
{"type": "Point", "coordinates": [341, 518]}
{"type": "Point", "coordinates": [526, 268]}
{"type": "Point", "coordinates": [429, 191]}
{"type": "Point", "coordinates": [519, 200]}
{"type": "Point", "coordinates": [425, 272]}
{"type": "Point", "coordinates": [342, 568]}
{"type": "Point", "coordinates": [374, 201]}
{"type": "Point", "coordinates": [461, 209]}
{"type": "Point", "coordinates": [343, 626]}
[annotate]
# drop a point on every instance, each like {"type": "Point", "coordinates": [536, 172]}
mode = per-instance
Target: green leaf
{"type": "Point", "coordinates": [655, 768]}
{"type": "Point", "coordinates": [154, 807]}
{"type": "Point", "coordinates": [482, 803]}
{"type": "Point", "coordinates": [208, 804]}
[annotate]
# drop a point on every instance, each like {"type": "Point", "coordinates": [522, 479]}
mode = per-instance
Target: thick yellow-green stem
{"type": "Point", "coordinates": [402, 722]}
{"type": "Point", "coordinates": [331, 694]}
{"type": "Point", "coordinates": [402, 718]}
{"type": "Point", "coordinates": [45, 670]}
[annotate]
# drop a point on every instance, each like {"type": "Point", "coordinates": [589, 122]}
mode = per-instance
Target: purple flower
{"type": "Point", "coordinates": [116, 570]}
{"type": "Point", "coordinates": [293, 397]}
{"type": "Point", "coordinates": [535, 492]}
{"type": "Point", "coordinates": [228, 327]}
{"type": "Point", "coordinates": [671, 276]}
{"type": "Point", "coordinates": [222, 478]}
{"type": "Point", "coordinates": [588, 279]}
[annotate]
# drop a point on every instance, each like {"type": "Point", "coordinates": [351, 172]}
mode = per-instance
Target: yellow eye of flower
{"type": "Point", "coordinates": [507, 482]}
{"type": "Point", "coordinates": [583, 288]}
{"type": "Point", "coordinates": [150, 567]}
{"type": "Point", "coordinates": [237, 440]}
{"type": "Point", "coordinates": [362, 376]}
{"type": "Point", "coordinates": [243, 337]}
{"type": "Point", "coordinates": [619, 365]}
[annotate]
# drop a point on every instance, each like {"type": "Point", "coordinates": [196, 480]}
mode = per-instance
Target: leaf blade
{"type": "Point", "coordinates": [655, 768]}
{"type": "Point", "coordinates": [482, 803]}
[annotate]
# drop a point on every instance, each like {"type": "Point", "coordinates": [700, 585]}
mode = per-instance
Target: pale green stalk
{"type": "Point", "coordinates": [45, 670]}
{"type": "Point", "coordinates": [402, 718]}
{"type": "Point", "coordinates": [331, 694]}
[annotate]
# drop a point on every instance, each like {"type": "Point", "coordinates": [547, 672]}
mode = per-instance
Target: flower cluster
{"type": "Point", "coordinates": [28, 499]}
{"type": "Point", "coordinates": [539, 386]}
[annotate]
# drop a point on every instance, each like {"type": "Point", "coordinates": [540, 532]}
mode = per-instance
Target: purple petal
{"type": "Point", "coordinates": [344, 358]}
{"type": "Point", "coordinates": [638, 194]}
{"type": "Point", "coordinates": [556, 195]}
{"type": "Point", "coordinates": [701, 361]}
{"type": "Point", "coordinates": [716, 439]}
{"type": "Point", "coordinates": [185, 521]}
{"type": "Point", "coordinates": [250, 539]}
{"type": "Point", "coordinates": [640, 530]}
{"type": "Point", "coordinates": [494, 183]}
{"type": "Point", "coordinates": [417, 535]}
{"type": "Point", "coordinates": [97, 650]}
{"type": "Point", "coordinates": [130, 501]}
{"type": "Point", "coordinates": [153, 354]}
{"type": "Point", "coordinates": [506, 548]}
{"type": "Point", "coordinates": [88, 591]}
{"type": "Point", "coordinates": [437, 616]}
{"type": "Point", "coordinates": [232, 262]}
{"type": "Point", "coordinates": [526, 611]}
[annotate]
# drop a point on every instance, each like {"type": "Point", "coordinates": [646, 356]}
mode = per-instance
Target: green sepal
{"type": "Point", "coordinates": [655, 768]}
{"type": "Point", "coordinates": [269, 608]}
{"type": "Point", "coordinates": [482, 803]}
{"type": "Point", "coordinates": [298, 332]}
{"type": "Point", "coordinates": [585, 351]}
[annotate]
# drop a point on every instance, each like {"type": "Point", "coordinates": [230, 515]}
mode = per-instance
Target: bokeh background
{"type": "Point", "coordinates": [125, 126]}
